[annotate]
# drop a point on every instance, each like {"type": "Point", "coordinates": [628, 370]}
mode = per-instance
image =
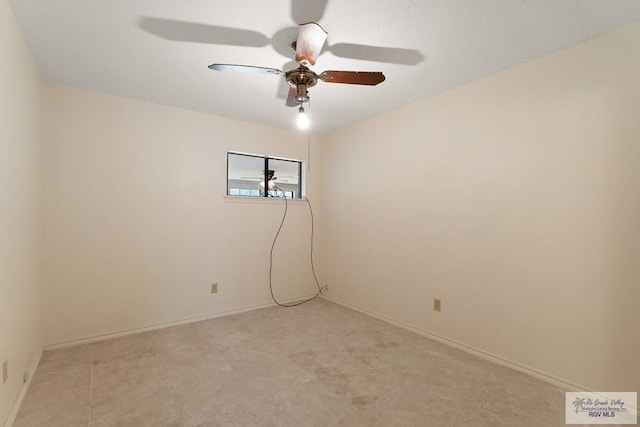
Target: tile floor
{"type": "Point", "coordinates": [319, 364]}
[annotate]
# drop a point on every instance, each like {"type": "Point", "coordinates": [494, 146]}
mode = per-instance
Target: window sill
{"type": "Point", "coordinates": [248, 199]}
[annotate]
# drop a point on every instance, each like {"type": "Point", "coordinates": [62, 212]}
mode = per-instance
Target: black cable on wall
{"type": "Point", "coordinates": [275, 239]}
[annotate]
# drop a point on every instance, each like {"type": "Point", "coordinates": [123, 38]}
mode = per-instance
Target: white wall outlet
{"type": "Point", "coordinates": [5, 371]}
{"type": "Point", "coordinates": [214, 288]}
{"type": "Point", "coordinates": [437, 306]}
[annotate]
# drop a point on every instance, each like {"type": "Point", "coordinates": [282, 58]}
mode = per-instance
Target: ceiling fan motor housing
{"type": "Point", "coordinates": [301, 79]}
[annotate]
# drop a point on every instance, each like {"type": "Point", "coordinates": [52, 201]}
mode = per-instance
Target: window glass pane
{"type": "Point", "coordinates": [245, 173]}
{"type": "Point", "coordinates": [286, 178]}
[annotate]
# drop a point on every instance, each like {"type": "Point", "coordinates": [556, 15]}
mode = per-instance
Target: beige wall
{"type": "Point", "coordinates": [20, 207]}
{"type": "Point", "coordinates": [522, 214]}
{"type": "Point", "coordinates": [137, 223]}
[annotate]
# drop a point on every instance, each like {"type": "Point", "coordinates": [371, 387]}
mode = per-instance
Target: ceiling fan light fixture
{"type": "Point", "coordinates": [303, 122]}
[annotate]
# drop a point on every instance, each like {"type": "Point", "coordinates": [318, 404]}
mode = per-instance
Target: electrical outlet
{"type": "Point", "coordinates": [5, 371]}
{"type": "Point", "coordinates": [436, 304]}
{"type": "Point", "coordinates": [214, 288]}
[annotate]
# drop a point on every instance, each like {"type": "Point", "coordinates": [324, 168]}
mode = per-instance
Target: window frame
{"type": "Point", "coordinates": [266, 159]}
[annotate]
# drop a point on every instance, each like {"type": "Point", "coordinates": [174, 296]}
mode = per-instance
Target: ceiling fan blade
{"type": "Point", "coordinates": [283, 87]}
{"type": "Point", "coordinates": [389, 55]}
{"type": "Point", "coordinates": [370, 78]}
{"type": "Point", "coordinates": [170, 29]}
{"type": "Point", "coordinates": [311, 38]}
{"type": "Point", "coordinates": [291, 98]}
{"type": "Point", "coordinates": [244, 69]}
{"type": "Point", "coordinates": [307, 10]}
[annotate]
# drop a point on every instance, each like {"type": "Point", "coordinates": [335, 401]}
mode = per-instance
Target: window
{"type": "Point", "coordinates": [250, 175]}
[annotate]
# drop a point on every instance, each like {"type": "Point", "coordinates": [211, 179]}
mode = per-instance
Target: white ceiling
{"type": "Point", "coordinates": [131, 48]}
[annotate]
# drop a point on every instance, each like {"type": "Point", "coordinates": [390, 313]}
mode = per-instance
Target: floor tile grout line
{"type": "Point", "coordinates": [166, 381]}
{"type": "Point", "coordinates": [93, 358]}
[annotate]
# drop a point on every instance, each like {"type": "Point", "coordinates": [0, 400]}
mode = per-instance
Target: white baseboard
{"type": "Point", "coordinates": [23, 391]}
{"type": "Point", "coordinates": [162, 325]}
{"type": "Point", "coordinates": [546, 377]}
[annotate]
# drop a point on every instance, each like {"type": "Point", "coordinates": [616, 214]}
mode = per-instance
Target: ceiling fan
{"type": "Point", "coordinates": [271, 178]}
{"type": "Point", "coordinates": [308, 45]}
{"type": "Point", "coordinates": [269, 188]}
